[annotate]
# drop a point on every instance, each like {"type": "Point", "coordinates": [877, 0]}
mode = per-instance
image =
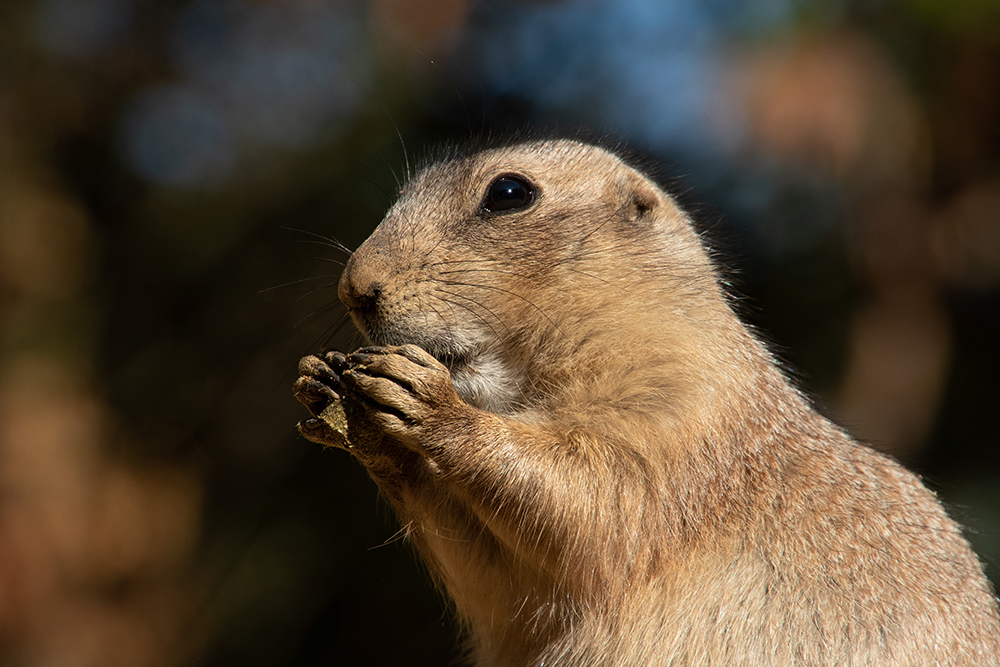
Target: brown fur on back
{"type": "Point", "coordinates": [604, 467]}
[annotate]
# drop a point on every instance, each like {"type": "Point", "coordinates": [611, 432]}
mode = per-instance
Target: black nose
{"type": "Point", "coordinates": [358, 296]}
{"type": "Point", "coordinates": [361, 284]}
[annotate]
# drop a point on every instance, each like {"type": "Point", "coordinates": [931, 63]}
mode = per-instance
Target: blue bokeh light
{"type": "Point", "coordinates": [178, 137]}
{"type": "Point", "coordinates": [646, 68]}
{"type": "Point", "coordinates": [270, 75]}
{"type": "Point", "coordinates": [79, 28]}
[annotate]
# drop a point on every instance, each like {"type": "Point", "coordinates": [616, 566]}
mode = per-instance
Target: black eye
{"type": "Point", "coordinates": [508, 193]}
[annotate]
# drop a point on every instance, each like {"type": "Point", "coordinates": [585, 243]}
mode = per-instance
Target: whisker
{"type": "Point", "coordinates": [333, 330]}
{"type": "Point", "coordinates": [395, 176]}
{"type": "Point", "coordinates": [329, 240]}
{"type": "Point", "coordinates": [511, 293]}
{"type": "Point", "coordinates": [298, 281]}
{"type": "Point", "coordinates": [328, 260]}
{"type": "Point", "coordinates": [510, 273]}
{"type": "Point", "coordinates": [313, 290]}
{"type": "Point", "coordinates": [398, 536]}
{"type": "Point", "coordinates": [458, 93]}
{"type": "Point", "coordinates": [487, 309]}
{"type": "Point", "coordinates": [391, 191]}
{"type": "Point", "coordinates": [376, 189]}
{"type": "Point", "coordinates": [519, 275]}
{"type": "Point", "coordinates": [611, 217]}
{"type": "Point", "coordinates": [496, 334]}
{"type": "Point", "coordinates": [388, 115]}
{"type": "Point", "coordinates": [319, 312]}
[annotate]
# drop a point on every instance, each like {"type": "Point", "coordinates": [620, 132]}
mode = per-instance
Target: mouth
{"type": "Point", "coordinates": [454, 357]}
{"type": "Point", "coordinates": [480, 376]}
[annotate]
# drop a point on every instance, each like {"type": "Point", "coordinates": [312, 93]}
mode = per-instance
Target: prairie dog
{"type": "Point", "coordinates": [596, 459]}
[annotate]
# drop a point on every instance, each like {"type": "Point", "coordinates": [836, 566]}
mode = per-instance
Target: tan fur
{"type": "Point", "coordinates": [608, 468]}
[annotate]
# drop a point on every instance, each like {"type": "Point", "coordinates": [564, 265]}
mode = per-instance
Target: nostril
{"type": "Point", "coordinates": [366, 299]}
{"type": "Point", "coordinates": [358, 297]}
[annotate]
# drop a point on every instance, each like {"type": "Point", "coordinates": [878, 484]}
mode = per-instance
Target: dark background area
{"type": "Point", "coordinates": [173, 174]}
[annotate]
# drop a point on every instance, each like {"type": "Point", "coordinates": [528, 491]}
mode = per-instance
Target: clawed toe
{"type": "Point", "coordinates": [313, 394]}
{"type": "Point", "coordinates": [318, 431]}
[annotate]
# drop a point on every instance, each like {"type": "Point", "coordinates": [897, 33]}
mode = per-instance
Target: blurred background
{"type": "Point", "coordinates": [173, 174]}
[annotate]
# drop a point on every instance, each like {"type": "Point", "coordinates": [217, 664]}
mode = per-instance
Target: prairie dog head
{"type": "Point", "coordinates": [497, 260]}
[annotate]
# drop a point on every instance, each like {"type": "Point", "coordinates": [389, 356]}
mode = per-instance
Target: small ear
{"type": "Point", "coordinates": [638, 196]}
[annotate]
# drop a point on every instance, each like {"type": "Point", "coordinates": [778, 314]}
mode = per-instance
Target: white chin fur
{"type": "Point", "coordinates": [486, 383]}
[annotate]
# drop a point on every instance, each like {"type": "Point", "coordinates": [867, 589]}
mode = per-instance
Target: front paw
{"type": "Point", "coordinates": [406, 389]}
{"type": "Point", "coordinates": [319, 382]}
{"type": "Point", "coordinates": [320, 388]}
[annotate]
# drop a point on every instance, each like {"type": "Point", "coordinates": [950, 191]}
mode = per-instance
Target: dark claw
{"type": "Point", "coordinates": [321, 371]}
{"type": "Point", "coordinates": [314, 394]}
{"type": "Point", "coordinates": [349, 378]}
{"type": "Point", "coordinates": [315, 367]}
{"type": "Point", "coordinates": [360, 358]}
{"type": "Point", "coordinates": [319, 432]}
{"type": "Point", "coordinates": [336, 359]}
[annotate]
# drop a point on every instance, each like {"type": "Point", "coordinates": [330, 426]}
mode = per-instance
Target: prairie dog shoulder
{"type": "Point", "coordinates": [597, 460]}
